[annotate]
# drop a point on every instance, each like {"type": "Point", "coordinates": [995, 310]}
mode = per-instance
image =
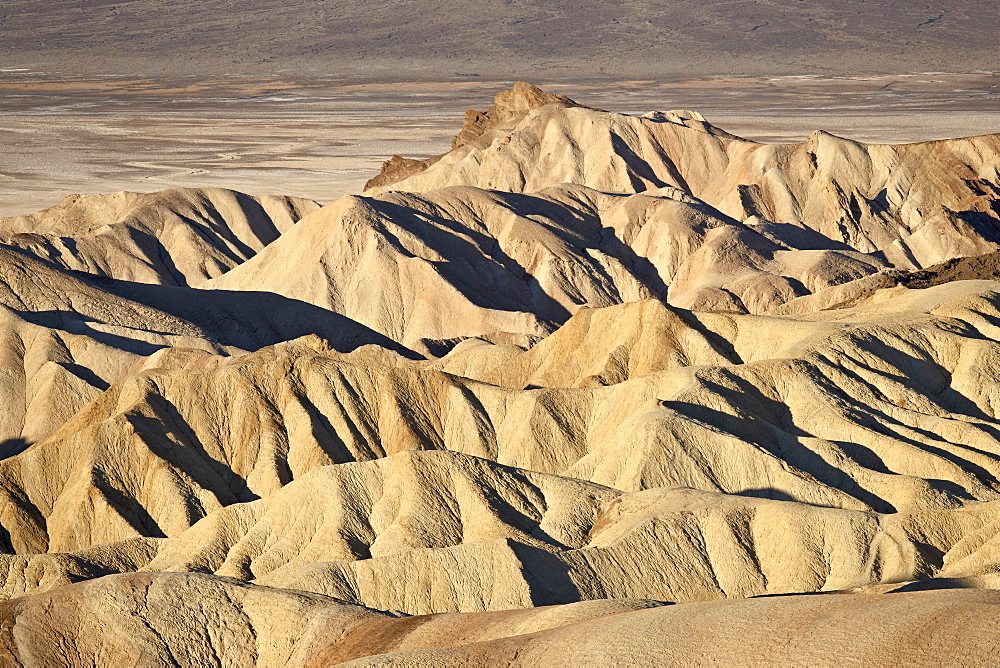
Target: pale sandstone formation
{"type": "Point", "coordinates": [34, 573]}
{"type": "Point", "coordinates": [170, 620]}
{"type": "Point", "coordinates": [66, 336]}
{"type": "Point", "coordinates": [193, 619]}
{"type": "Point", "coordinates": [460, 399]}
{"type": "Point", "coordinates": [480, 127]}
{"type": "Point", "coordinates": [918, 204]}
{"type": "Point", "coordinates": [858, 291]}
{"type": "Point", "coordinates": [545, 206]}
{"type": "Point", "coordinates": [65, 340]}
{"type": "Point", "coordinates": [416, 540]}
{"type": "Point", "coordinates": [888, 407]}
{"type": "Point", "coordinates": [465, 262]}
{"type": "Point", "coordinates": [181, 236]}
{"type": "Point", "coordinates": [925, 628]}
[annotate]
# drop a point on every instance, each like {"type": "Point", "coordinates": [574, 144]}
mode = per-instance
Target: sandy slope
{"type": "Point", "coordinates": [175, 237]}
{"type": "Point", "coordinates": [375, 258]}
{"type": "Point", "coordinates": [918, 204]}
{"type": "Point", "coordinates": [162, 620]}
{"type": "Point", "coordinates": [68, 335]}
{"type": "Point", "coordinates": [565, 206]}
{"type": "Point", "coordinates": [462, 399]}
{"type": "Point", "coordinates": [889, 407]}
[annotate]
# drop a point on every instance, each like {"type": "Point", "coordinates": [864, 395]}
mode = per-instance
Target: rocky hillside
{"type": "Point", "coordinates": [584, 360]}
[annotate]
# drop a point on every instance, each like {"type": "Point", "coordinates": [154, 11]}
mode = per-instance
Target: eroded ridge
{"type": "Point", "coordinates": [583, 366]}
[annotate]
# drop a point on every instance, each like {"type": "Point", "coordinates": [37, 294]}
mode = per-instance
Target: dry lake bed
{"type": "Point", "coordinates": [324, 137]}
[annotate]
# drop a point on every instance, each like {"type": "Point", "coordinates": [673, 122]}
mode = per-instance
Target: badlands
{"type": "Point", "coordinates": [587, 388]}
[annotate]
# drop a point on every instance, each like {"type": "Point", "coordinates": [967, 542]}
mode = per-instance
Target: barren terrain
{"type": "Point", "coordinates": [326, 339]}
{"type": "Point", "coordinates": [323, 137]}
{"type": "Point", "coordinates": [524, 38]}
{"type": "Point", "coordinates": [604, 386]}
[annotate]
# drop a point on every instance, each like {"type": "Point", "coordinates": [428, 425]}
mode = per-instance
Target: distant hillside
{"type": "Point", "coordinates": [517, 37]}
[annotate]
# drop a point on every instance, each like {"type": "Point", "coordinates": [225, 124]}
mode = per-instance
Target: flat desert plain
{"type": "Point", "coordinates": [321, 138]}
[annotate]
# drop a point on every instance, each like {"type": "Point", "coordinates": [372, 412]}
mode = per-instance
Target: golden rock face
{"type": "Point", "coordinates": [584, 360]}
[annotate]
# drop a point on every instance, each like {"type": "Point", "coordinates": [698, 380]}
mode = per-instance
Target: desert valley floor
{"type": "Point", "coordinates": [321, 137]}
{"type": "Point", "coordinates": [583, 383]}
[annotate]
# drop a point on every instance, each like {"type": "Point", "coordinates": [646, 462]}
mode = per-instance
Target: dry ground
{"type": "Point", "coordinates": [323, 137]}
